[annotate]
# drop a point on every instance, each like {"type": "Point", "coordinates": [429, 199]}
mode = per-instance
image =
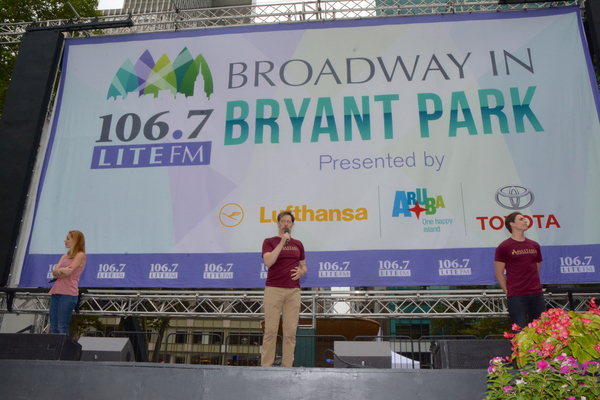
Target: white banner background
{"type": "Point", "coordinates": [178, 220]}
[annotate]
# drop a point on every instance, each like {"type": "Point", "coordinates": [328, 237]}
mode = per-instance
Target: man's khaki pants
{"type": "Point", "coordinates": [284, 302]}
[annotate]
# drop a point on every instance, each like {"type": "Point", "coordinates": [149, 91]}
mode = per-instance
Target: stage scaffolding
{"type": "Point", "coordinates": [178, 19]}
{"type": "Point", "coordinates": [316, 303]}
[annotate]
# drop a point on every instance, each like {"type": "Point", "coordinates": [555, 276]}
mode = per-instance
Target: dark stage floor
{"type": "Point", "coordinates": [77, 380]}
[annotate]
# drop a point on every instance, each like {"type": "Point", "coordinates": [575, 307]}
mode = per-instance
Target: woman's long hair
{"type": "Point", "coordinates": [78, 244]}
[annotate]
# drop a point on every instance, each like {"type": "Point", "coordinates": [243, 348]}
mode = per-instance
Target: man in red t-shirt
{"type": "Point", "coordinates": [286, 264]}
{"type": "Point", "coordinates": [521, 258]}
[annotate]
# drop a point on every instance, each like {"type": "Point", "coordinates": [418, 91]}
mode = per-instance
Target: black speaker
{"type": "Point", "coordinates": [29, 346]}
{"type": "Point", "coordinates": [592, 13]}
{"type": "Point", "coordinates": [362, 354]}
{"type": "Point", "coordinates": [469, 354]}
{"type": "Point", "coordinates": [23, 118]}
{"type": "Point", "coordinates": [106, 349]}
{"type": "Point", "coordinates": [136, 335]}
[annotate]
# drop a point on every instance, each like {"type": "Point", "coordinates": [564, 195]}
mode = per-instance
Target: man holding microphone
{"type": "Point", "coordinates": [286, 264]}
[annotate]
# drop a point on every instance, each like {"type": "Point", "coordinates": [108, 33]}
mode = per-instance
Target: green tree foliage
{"type": "Point", "coordinates": [12, 11]}
{"type": "Point", "coordinates": [43, 10]}
{"type": "Point", "coordinates": [470, 326]}
{"type": "Point", "coordinates": [80, 323]}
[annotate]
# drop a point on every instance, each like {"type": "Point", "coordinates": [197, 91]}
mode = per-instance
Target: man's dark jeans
{"type": "Point", "coordinates": [522, 307]}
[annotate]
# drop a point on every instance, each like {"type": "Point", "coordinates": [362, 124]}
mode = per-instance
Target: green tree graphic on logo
{"type": "Point", "coordinates": [148, 77]}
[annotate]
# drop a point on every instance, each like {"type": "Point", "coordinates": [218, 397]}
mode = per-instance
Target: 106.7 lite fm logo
{"type": "Point", "coordinates": [147, 77]}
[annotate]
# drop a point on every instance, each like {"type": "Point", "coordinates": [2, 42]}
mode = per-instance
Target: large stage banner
{"type": "Point", "coordinates": [400, 144]}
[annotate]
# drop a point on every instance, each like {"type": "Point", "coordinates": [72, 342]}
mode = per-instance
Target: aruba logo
{"type": "Point", "coordinates": [149, 77]}
{"type": "Point", "coordinates": [404, 200]}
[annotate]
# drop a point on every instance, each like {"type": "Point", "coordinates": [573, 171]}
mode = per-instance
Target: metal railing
{"type": "Point", "coordinates": [243, 349]}
{"type": "Point", "coordinates": [193, 348]}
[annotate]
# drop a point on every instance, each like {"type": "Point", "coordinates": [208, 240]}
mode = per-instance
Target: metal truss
{"type": "Point", "coordinates": [202, 18]}
{"type": "Point", "coordinates": [404, 304]}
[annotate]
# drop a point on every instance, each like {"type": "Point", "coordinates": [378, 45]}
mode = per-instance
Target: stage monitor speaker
{"type": "Point", "coordinates": [362, 354]}
{"type": "Point", "coordinates": [29, 346]}
{"type": "Point", "coordinates": [106, 349]}
{"type": "Point", "coordinates": [469, 354]}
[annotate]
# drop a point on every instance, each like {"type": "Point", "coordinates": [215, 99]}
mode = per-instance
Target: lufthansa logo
{"type": "Point", "coordinates": [514, 197]}
{"type": "Point", "coordinates": [231, 215]}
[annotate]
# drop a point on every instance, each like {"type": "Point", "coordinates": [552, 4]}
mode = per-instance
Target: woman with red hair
{"type": "Point", "coordinates": [65, 291]}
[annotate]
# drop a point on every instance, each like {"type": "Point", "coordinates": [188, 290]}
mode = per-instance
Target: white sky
{"type": "Point", "coordinates": [109, 4]}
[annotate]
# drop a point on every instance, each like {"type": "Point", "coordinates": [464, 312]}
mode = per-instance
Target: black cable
{"type": "Point", "coordinates": [349, 364]}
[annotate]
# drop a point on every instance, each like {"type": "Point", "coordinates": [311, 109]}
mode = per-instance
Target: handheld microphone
{"type": "Point", "coordinates": [53, 280]}
{"type": "Point", "coordinates": [287, 241]}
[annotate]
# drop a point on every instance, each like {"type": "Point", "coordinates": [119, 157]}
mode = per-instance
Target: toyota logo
{"type": "Point", "coordinates": [512, 197]}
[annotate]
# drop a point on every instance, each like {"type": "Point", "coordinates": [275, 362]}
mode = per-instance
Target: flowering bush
{"type": "Point", "coordinates": [555, 355]}
{"type": "Point", "coordinates": [561, 377]}
{"type": "Point", "coordinates": [557, 332]}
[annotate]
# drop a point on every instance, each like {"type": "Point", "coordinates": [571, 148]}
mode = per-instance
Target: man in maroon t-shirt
{"type": "Point", "coordinates": [286, 264]}
{"type": "Point", "coordinates": [521, 258]}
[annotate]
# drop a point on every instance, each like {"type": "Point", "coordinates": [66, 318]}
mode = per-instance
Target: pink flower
{"type": "Point", "coordinates": [508, 389]}
{"type": "Point", "coordinates": [586, 320]}
{"type": "Point", "coordinates": [543, 364]}
{"type": "Point", "coordinates": [593, 302]}
{"type": "Point", "coordinates": [547, 349]}
{"type": "Point", "coordinates": [509, 335]}
{"type": "Point", "coordinates": [587, 364]}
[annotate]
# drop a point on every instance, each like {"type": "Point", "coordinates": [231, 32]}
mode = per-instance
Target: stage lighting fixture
{"type": "Point", "coordinates": [94, 25]}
